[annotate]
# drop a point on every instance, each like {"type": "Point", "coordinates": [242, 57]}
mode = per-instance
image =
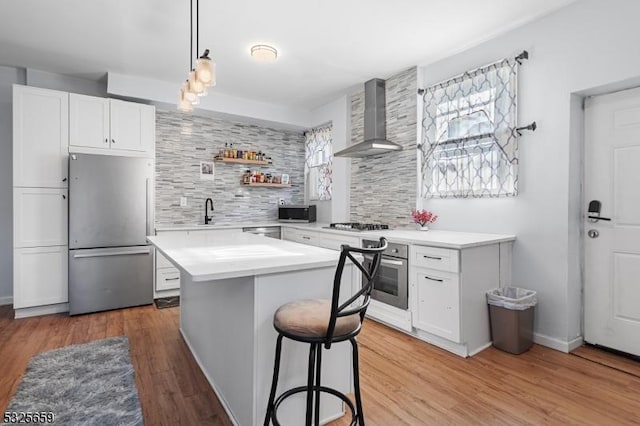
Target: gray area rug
{"type": "Point", "coordinates": [88, 384]}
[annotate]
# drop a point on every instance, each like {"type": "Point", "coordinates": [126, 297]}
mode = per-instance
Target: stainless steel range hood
{"type": "Point", "coordinates": [375, 124]}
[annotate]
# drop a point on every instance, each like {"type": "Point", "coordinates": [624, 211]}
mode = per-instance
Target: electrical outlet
{"type": "Point", "coordinates": [183, 201]}
{"type": "Point", "coordinates": [281, 201]}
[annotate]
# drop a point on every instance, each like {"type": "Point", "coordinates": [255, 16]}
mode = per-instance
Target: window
{"type": "Point", "coordinates": [318, 163]}
{"type": "Point", "coordinates": [468, 134]}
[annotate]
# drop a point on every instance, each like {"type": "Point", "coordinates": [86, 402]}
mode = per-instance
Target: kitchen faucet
{"type": "Point", "coordinates": [208, 219]}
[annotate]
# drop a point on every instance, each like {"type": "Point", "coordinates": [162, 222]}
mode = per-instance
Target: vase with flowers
{"type": "Point", "coordinates": [423, 218]}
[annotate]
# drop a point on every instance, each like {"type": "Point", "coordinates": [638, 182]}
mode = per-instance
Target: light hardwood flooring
{"type": "Point", "coordinates": [404, 381]}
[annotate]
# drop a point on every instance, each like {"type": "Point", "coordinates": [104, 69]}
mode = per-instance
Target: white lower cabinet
{"type": "Point", "coordinates": [40, 276]}
{"type": "Point", "coordinates": [447, 294]}
{"type": "Point", "coordinates": [437, 303]}
{"type": "Point", "coordinates": [40, 217]}
{"type": "Point", "coordinates": [167, 275]}
{"type": "Point", "coordinates": [167, 278]}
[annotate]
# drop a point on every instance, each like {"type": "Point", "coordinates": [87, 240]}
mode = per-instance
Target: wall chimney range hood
{"type": "Point", "coordinates": [375, 124]}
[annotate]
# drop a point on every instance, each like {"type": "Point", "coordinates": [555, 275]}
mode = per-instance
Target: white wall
{"type": "Point", "coordinates": [263, 113]}
{"type": "Point", "coordinates": [66, 83]}
{"type": "Point", "coordinates": [338, 113]}
{"type": "Point", "coordinates": [578, 49]}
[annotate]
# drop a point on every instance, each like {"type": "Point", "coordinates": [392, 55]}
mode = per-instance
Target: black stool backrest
{"type": "Point", "coordinates": [369, 274]}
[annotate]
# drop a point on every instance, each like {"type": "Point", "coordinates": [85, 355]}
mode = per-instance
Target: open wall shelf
{"type": "Point", "coordinates": [269, 185]}
{"type": "Point", "coordinates": [240, 161]}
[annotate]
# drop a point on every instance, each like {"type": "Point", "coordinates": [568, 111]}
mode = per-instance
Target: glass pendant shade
{"type": "Point", "coordinates": [195, 85]}
{"type": "Point", "coordinates": [188, 94]}
{"type": "Point", "coordinates": [183, 104]}
{"type": "Point", "coordinates": [205, 70]}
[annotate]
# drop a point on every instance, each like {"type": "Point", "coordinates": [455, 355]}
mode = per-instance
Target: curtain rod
{"type": "Point", "coordinates": [518, 58]}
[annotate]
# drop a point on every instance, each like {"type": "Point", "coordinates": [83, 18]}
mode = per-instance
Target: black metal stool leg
{"type": "Point", "coordinates": [318, 373]}
{"type": "Point", "coordinates": [356, 381]}
{"type": "Point", "coordinates": [312, 359]}
{"type": "Point", "coordinates": [274, 381]}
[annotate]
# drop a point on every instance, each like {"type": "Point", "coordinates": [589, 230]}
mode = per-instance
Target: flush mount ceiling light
{"type": "Point", "coordinates": [202, 75]}
{"type": "Point", "coordinates": [264, 53]}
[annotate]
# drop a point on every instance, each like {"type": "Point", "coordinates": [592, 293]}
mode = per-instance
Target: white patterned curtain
{"type": "Point", "coordinates": [319, 162]}
{"type": "Point", "coordinates": [469, 142]}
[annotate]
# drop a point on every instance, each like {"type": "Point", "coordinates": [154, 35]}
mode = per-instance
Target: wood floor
{"type": "Point", "coordinates": [404, 381]}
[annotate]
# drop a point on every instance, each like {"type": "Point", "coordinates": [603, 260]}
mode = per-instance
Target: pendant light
{"type": "Point", "coordinates": [206, 69]}
{"type": "Point", "coordinates": [184, 104]}
{"type": "Point", "coordinates": [200, 77]}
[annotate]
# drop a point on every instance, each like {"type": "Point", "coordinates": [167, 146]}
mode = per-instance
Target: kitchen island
{"type": "Point", "coordinates": [231, 285]}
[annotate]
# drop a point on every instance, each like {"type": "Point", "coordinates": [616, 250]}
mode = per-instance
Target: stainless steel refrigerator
{"type": "Point", "coordinates": [110, 216]}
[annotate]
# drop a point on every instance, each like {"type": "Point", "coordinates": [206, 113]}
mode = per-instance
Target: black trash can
{"type": "Point", "coordinates": [511, 314]}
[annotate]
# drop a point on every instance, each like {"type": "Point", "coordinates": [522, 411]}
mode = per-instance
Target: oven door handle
{"type": "Point", "coordinates": [386, 261]}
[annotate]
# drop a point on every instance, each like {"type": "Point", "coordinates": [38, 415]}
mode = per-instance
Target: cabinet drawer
{"type": "Point", "coordinates": [435, 258]}
{"type": "Point", "coordinates": [334, 242]}
{"type": "Point", "coordinates": [167, 279]}
{"type": "Point", "coordinates": [162, 262]}
{"type": "Point", "coordinates": [302, 237]}
{"type": "Point", "coordinates": [437, 303]}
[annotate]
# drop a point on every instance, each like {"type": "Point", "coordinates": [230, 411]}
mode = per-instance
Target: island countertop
{"type": "Point", "coordinates": [208, 257]}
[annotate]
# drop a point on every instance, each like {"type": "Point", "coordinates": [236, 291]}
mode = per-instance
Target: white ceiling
{"type": "Point", "coordinates": [326, 46]}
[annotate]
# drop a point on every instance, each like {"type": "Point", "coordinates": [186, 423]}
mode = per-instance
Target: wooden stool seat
{"type": "Point", "coordinates": [310, 318]}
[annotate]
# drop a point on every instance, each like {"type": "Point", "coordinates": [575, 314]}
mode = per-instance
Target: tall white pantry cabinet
{"type": "Point", "coordinates": [43, 122]}
{"type": "Point", "coordinates": [40, 153]}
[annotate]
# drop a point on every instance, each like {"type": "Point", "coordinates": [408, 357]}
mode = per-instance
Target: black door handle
{"type": "Point", "coordinates": [599, 218]}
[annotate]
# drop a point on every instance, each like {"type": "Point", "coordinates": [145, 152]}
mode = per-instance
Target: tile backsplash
{"type": "Point", "coordinates": [183, 141]}
{"type": "Point", "coordinates": [383, 187]}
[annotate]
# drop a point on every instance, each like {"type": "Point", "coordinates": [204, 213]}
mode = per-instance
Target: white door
{"type": "Point", "coordinates": [40, 217]}
{"type": "Point", "coordinates": [132, 126]}
{"type": "Point", "coordinates": [88, 121]}
{"type": "Point", "coordinates": [612, 247]}
{"type": "Point", "coordinates": [40, 137]}
{"type": "Point", "coordinates": [40, 276]}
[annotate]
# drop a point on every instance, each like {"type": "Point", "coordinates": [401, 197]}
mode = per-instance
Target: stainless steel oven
{"type": "Point", "coordinates": [391, 285]}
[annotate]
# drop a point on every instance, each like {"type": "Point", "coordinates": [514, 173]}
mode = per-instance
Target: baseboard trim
{"type": "Point", "coordinates": [6, 300]}
{"type": "Point", "coordinates": [557, 344]}
{"type": "Point", "coordinates": [41, 310]}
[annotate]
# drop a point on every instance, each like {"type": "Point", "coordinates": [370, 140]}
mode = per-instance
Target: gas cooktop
{"type": "Point", "coordinates": [357, 227]}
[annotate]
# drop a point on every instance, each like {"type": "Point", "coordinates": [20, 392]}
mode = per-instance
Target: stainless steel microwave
{"type": "Point", "coordinates": [297, 213]}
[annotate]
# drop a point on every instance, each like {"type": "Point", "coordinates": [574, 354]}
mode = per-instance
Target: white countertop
{"type": "Point", "coordinates": [433, 237]}
{"type": "Point", "coordinates": [230, 255]}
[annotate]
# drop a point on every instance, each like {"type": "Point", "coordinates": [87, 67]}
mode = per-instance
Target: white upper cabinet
{"type": "Point", "coordinates": [88, 121]}
{"type": "Point", "coordinates": [132, 126]}
{"type": "Point", "coordinates": [40, 137]}
{"type": "Point", "coordinates": [111, 126]}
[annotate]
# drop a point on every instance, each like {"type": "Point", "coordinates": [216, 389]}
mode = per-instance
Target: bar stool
{"type": "Point", "coordinates": [321, 322]}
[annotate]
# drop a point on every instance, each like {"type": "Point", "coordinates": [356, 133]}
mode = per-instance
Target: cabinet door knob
{"type": "Point", "coordinates": [113, 141]}
{"type": "Point", "coordinates": [106, 140]}
{"type": "Point", "coordinates": [64, 180]}
{"type": "Point", "coordinates": [64, 197]}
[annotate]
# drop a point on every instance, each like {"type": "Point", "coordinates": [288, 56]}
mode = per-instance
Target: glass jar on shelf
{"type": "Point", "coordinates": [246, 177]}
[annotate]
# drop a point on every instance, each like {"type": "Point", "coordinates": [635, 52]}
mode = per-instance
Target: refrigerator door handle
{"type": "Point", "coordinates": [148, 215]}
{"type": "Point", "coordinates": [112, 253]}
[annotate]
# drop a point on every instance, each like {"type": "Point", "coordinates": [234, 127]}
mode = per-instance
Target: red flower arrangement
{"type": "Point", "coordinates": [423, 217]}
